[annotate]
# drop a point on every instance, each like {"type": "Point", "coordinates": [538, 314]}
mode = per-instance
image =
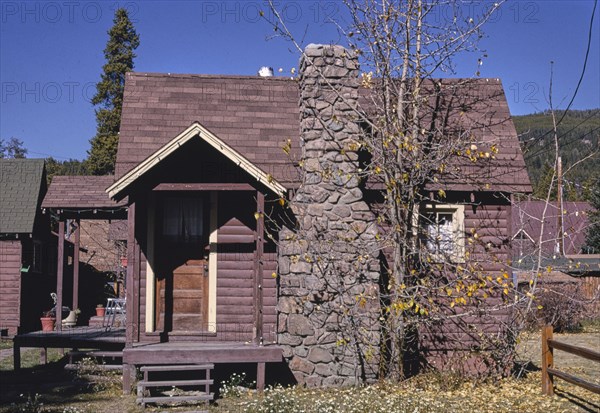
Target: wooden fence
{"type": "Point", "coordinates": [548, 370]}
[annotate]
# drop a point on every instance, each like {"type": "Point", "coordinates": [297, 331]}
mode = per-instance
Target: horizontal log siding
{"type": "Point", "coordinates": [449, 344]}
{"type": "Point", "coordinates": [270, 297]}
{"type": "Point", "coordinates": [235, 269]}
{"type": "Point", "coordinates": [10, 285]}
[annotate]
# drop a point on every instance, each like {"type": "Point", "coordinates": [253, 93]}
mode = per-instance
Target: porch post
{"type": "Point", "coordinates": [130, 288]}
{"type": "Point", "coordinates": [76, 267]}
{"type": "Point", "coordinates": [59, 273]}
{"type": "Point", "coordinates": [258, 268]}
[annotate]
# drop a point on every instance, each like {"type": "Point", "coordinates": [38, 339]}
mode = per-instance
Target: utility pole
{"type": "Point", "coordinates": [559, 195]}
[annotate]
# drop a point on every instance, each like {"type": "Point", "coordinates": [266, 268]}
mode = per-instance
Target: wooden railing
{"type": "Point", "coordinates": [548, 370]}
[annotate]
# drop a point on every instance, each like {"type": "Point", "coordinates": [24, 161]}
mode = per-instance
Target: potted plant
{"type": "Point", "coordinates": [48, 320]}
{"type": "Point", "coordinates": [100, 310]}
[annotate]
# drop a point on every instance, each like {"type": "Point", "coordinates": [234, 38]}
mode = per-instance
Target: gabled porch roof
{"type": "Point", "coordinates": [195, 130]}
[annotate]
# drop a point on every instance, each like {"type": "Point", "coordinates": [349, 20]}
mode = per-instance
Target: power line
{"type": "Point", "coordinates": [587, 53]}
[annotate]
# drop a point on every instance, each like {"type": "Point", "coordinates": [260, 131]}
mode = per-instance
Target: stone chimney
{"type": "Point", "coordinates": [328, 265]}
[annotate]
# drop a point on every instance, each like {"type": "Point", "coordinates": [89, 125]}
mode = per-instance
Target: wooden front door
{"type": "Point", "coordinates": [187, 298]}
{"type": "Point", "coordinates": [182, 279]}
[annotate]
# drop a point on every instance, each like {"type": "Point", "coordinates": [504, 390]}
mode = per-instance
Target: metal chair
{"type": "Point", "coordinates": [115, 313]}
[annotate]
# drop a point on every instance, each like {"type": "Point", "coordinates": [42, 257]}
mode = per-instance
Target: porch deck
{"type": "Point", "coordinates": [76, 337]}
{"type": "Point", "coordinates": [177, 353]}
{"type": "Point", "coordinates": [201, 352]}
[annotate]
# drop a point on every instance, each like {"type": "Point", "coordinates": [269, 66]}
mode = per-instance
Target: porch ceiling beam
{"type": "Point", "coordinates": [204, 187]}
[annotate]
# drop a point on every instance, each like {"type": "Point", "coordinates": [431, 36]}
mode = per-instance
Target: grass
{"type": "Point", "coordinates": [30, 358]}
{"type": "Point", "coordinates": [424, 394]}
{"type": "Point", "coordinates": [51, 389]}
{"type": "Point", "coordinates": [5, 344]}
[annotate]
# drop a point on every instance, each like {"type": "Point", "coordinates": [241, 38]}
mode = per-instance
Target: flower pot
{"type": "Point", "coordinates": [100, 311]}
{"type": "Point", "coordinates": [47, 323]}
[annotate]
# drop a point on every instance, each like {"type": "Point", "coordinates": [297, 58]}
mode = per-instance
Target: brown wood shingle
{"type": "Point", "coordinates": [80, 192]}
{"type": "Point", "coordinates": [256, 116]}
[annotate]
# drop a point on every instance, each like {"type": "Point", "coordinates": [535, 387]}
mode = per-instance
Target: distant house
{"type": "Point", "coordinates": [200, 161]}
{"type": "Point", "coordinates": [554, 239]}
{"type": "Point", "coordinates": [535, 226]}
{"type": "Point", "coordinates": [84, 216]}
{"type": "Point", "coordinates": [27, 257]}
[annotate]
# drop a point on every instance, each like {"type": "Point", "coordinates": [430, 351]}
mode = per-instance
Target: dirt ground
{"type": "Point", "coordinates": [529, 349]}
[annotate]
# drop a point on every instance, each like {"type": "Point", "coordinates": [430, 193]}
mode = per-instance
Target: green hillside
{"type": "Point", "coordinates": [578, 136]}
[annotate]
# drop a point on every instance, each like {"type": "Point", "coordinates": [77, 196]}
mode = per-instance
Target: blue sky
{"type": "Point", "coordinates": [51, 55]}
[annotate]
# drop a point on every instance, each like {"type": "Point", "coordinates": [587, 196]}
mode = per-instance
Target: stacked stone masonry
{"type": "Point", "coordinates": [328, 265]}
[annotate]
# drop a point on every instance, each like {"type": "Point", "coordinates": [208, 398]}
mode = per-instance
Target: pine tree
{"type": "Point", "coordinates": [13, 148]}
{"type": "Point", "coordinates": [547, 179]}
{"type": "Point", "coordinates": [119, 54]}
{"type": "Point", "coordinates": [593, 232]}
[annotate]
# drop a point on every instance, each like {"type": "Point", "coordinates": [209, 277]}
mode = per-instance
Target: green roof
{"type": "Point", "coordinates": [21, 185]}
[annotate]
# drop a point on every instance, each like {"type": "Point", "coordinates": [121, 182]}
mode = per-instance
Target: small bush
{"type": "Point", "coordinates": [558, 305]}
{"type": "Point", "coordinates": [236, 386]}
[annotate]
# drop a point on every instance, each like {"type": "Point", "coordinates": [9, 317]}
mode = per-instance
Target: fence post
{"type": "Point", "coordinates": [547, 361]}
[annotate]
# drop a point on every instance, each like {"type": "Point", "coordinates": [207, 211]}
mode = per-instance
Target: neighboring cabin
{"type": "Point", "coordinates": [529, 218]}
{"type": "Point", "coordinates": [558, 238]}
{"type": "Point", "coordinates": [27, 247]}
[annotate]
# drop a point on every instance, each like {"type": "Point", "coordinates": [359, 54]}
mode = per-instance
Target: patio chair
{"type": "Point", "coordinates": [115, 313]}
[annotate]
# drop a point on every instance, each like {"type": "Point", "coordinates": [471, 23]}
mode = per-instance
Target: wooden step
{"type": "Point", "coordinates": [166, 399]}
{"type": "Point", "coordinates": [99, 367]}
{"type": "Point", "coordinates": [178, 367]}
{"type": "Point", "coordinates": [205, 398]}
{"type": "Point", "coordinates": [175, 383]}
{"type": "Point", "coordinates": [97, 353]}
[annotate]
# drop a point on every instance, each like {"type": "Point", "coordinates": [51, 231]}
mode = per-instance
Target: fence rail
{"type": "Point", "coordinates": [548, 370]}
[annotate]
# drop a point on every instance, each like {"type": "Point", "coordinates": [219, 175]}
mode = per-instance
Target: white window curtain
{"type": "Point", "coordinates": [440, 233]}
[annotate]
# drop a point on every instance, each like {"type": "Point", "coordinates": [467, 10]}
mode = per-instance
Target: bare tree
{"type": "Point", "coordinates": [425, 143]}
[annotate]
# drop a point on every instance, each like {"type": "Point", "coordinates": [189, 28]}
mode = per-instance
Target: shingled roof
{"type": "Point", "coordinates": [22, 186]}
{"type": "Point", "coordinates": [256, 116]}
{"type": "Point", "coordinates": [527, 216]}
{"type": "Point", "coordinates": [80, 192]}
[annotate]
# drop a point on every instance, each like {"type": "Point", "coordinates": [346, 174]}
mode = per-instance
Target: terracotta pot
{"type": "Point", "coordinates": [100, 311]}
{"type": "Point", "coordinates": [47, 323]}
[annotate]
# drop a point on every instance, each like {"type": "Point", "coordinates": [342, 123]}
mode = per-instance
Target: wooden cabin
{"type": "Point", "coordinates": [27, 265]}
{"type": "Point", "coordinates": [204, 160]}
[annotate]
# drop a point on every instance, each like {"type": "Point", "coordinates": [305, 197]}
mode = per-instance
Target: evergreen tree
{"type": "Point", "coordinates": [119, 54]}
{"type": "Point", "coordinates": [13, 148]}
{"type": "Point", "coordinates": [540, 189]}
{"type": "Point", "coordinates": [593, 232]}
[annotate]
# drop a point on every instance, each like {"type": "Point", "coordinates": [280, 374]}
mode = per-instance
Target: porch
{"type": "Point", "coordinates": [189, 353]}
{"type": "Point", "coordinates": [72, 338]}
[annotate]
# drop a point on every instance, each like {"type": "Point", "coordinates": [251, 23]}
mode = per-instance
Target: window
{"type": "Point", "coordinates": [442, 231]}
{"type": "Point", "coordinates": [182, 219]}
